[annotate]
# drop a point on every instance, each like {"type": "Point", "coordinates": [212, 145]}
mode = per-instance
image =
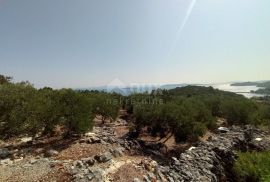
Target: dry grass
{"type": "Point", "coordinates": [127, 173]}
{"type": "Point", "coordinates": [78, 151]}
{"type": "Point", "coordinates": [40, 171]}
{"type": "Point", "coordinates": [206, 136]}
{"type": "Point", "coordinates": [58, 174]}
{"type": "Point", "coordinates": [121, 130]}
{"type": "Point", "coordinates": [170, 143]}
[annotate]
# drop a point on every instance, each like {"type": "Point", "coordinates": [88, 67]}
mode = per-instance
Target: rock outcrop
{"type": "Point", "coordinates": [212, 160]}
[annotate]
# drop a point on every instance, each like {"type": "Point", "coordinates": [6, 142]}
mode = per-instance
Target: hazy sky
{"type": "Point", "coordinates": [81, 43]}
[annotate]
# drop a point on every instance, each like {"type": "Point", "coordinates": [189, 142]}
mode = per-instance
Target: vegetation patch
{"type": "Point", "coordinates": [189, 112]}
{"type": "Point", "coordinates": [25, 110]}
{"type": "Point", "coordinates": [253, 167]}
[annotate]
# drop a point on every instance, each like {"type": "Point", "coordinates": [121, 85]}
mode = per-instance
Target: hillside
{"type": "Point", "coordinates": [183, 134]}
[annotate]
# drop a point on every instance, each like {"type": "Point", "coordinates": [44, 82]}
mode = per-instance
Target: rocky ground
{"type": "Point", "coordinates": [108, 154]}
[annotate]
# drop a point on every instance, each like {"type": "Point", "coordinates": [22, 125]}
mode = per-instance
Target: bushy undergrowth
{"type": "Point", "coordinates": [26, 110]}
{"type": "Point", "coordinates": [186, 118]}
{"type": "Point", "coordinates": [253, 167]}
{"type": "Point", "coordinates": [188, 112]}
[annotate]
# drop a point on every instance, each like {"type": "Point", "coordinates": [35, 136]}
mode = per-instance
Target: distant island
{"type": "Point", "coordinates": [265, 91]}
{"type": "Point", "coordinates": [264, 86]}
{"type": "Point", "coordinates": [245, 84]}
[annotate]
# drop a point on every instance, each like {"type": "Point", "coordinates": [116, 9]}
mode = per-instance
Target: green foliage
{"type": "Point", "coordinates": [238, 110]}
{"type": "Point", "coordinates": [5, 79]}
{"type": "Point", "coordinates": [26, 110]}
{"type": "Point", "coordinates": [185, 118]}
{"type": "Point", "coordinates": [76, 111]}
{"type": "Point", "coordinates": [253, 167]}
{"type": "Point", "coordinates": [17, 108]}
{"type": "Point", "coordinates": [104, 104]}
{"type": "Point", "coordinates": [189, 91]}
{"type": "Point", "coordinates": [188, 112]}
{"type": "Point", "coordinates": [263, 115]}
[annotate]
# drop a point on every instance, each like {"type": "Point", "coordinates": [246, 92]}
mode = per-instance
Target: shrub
{"type": "Point", "coordinates": [18, 109]}
{"type": "Point", "coordinates": [26, 110]}
{"type": "Point", "coordinates": [5, 79]}
{"type": "Point", "coordinates": [188, 112]}
{"type": "Point", "coordinates": [76, 111]}
{"type": "Point", "coordinates": [253, 167]}
{"type": "Point", "coordinates": [104, 104]}
{"type": "Point", "coordinates": [238, 111]}
{"type": "Point", "coordinates": [185, 119]}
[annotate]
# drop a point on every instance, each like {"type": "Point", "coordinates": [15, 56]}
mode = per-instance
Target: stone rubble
{"type": "Point", "coordinates": [4, 153]}
{"type": "Point", "coordinates": [207, 161]}
{"type": "Point", "coordinates": [210, 160]}
{"type": "Point", "coordinates": [213, 160]}
{"type": "Point", "coordinates": [51, 153]}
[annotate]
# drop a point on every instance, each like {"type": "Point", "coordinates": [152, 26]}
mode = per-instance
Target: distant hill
{"type": "Point", "coordinates": [172, 86]}
{"type": "Point", "coordinates": [192, 90]}
{"type": "Point", "coordinates": [134, 89]}
{"type": "Point", "coordinates": [265, 84]}
{"type": "Point", "coordinates": [257, 83]}
{"type": "Point", "coordinates": [264, 91]}
{"type": "Point", "coordinates": [245, 84]}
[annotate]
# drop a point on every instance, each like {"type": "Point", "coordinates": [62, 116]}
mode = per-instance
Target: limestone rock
{"type": "Point", "coordinates": [136, 180]}
{"type": "Point", "coordinates": [89, 161]}
{"type": "Point", "coordinates": [118, 152]}
{"type": "Point", "coordinates": [4, 153]}
{"type": "Point", "coordinates": [107, 156]}
{"type": "Point", "coordinates": [6, 162]}
{"type": "Point", "coordinates": [51, 153]}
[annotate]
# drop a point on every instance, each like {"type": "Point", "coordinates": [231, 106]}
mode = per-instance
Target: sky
{"type": "Point", "coordinates": [87, 43]}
